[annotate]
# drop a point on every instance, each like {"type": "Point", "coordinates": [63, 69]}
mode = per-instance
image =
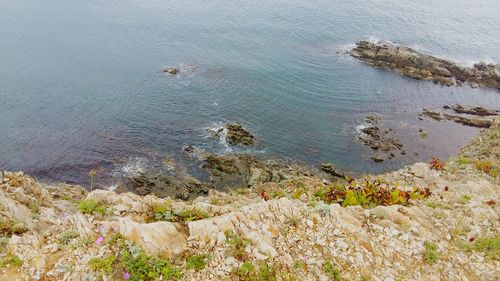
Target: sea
{"type": "Point", "coordinates": [82, 86]}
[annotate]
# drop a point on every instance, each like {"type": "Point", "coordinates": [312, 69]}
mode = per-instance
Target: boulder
{"type": "Point", "coordinates": [331, 169]}
{"type": "Point", "coordinates": [160, 238]}
{"type": "Point", "coordinates": [171, 70]}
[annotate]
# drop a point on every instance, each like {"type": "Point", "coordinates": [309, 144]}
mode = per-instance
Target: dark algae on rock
{"type": "Point", "coordinates": [418, 65]}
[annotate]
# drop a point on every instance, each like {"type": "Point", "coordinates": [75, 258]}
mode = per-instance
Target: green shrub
{"type": "Point", "coordinates": [249, 272]}
{"type": "Point", "coordinates": [164, 212]}
{"type": "Point", "coordinates": [430, 254]}
{"type": "Point", "coordinates": [463, 160]}
{"type": "Point", "coordinates": [192, 214]}
{"type": "Point", "coordinates": [237, 246]}
{"type": "Point", "coordinates": [92, 206]}
{"type": "Point", "coordinates": [143, 267]}
{"type": "Point", "coordinates": [67, 236]}
{"type": "Point", "coordinates": [488, 245]}
{"type": "Point", "coordinates": [332, 272]}
{"type": "Point", "coordinates": [131, 258]}
{"type": "Point", "coordinates": [102, 264]}
{"type": "Point", "coordinates": [196, 262]}
{"type": "Point", "coordinates": [11, 260]}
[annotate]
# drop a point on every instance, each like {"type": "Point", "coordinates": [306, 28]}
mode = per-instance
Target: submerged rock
{"type": "Point", "coordinates": [481, 122]}
{"type": "Point", "coordinates": [473, 122]}
{"type": "Point", "coordinates": [171, 70]}
{"type": "Point", "coordinates": [377, 158]}
{"type": "Point", "coordinates": [418, 65]}
{"type": "Point", "coordinates": [432, 114]}
{"type": "Point", "coordinates": [380, 140]}
{"type": "Point", "coordinates": [472, 110]}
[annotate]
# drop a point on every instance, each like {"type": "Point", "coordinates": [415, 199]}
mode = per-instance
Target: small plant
{"type": "Point", "coordinates": [483, 166]}
{"type": "Point", "coordinates": [246, 271]}
{"type": "Point", "coordinates": [35, 207]}
{"type": "Point", "coordinates": [288, 276]}
{"type": "Point", "coordinates": [4, 241]}
{"type": "Point", "coordinates": [91, 206]}
{"type": "Point", "coordinates": [437, 164]}
{"type": "Point", "coordinates": [11, 260]}
{"type": "Point", "coordinates": [430, 204]}
{"type": "Point", "coordinates": [163, 212]}
{"type": "Point", "coordinates": [463, 160]}
{"type": "Point", "coordinates": [297, 193]}
{"type": "Point", "coordinates": [249, 272]}
{"type": "Point", "coordinates": [488, 245]}
{"type": "Point", "coordinates": [102, 264]}
{"type": "Point", "coordinates": [278, 194]}
{"type": "Point", "coordinates": [266, 272]}
{"type": "Point", "coordinates": [430, 254]}
{"type": "Point", "coordinates": [192, 214]}
{"type": "Point", "coordinates": [332, 272]}
{"type": "Point", "coordinates": [487, 168]}
{"type": "Point", "coordinates": [9, 228]}
{"type": "Point", "coordinates": [142, 267]}
{"type": "Point", "coordinates": [237, 246]}
{"type": "Point", "coordinates": [67, 236]}
{"type": "Point", "coordinates": [466, 197]}
{"type": "Point", "coordinates": [300, 265]}
{"type": "Point", "coordinates": [196, 262]}
{"type": "Point", "coordinates": [241, 191]}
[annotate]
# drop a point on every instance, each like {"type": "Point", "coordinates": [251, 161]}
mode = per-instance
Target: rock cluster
{"type": "Point", "coordinates": [332, 170]}
{"type": "Point", "coordinates": [245, 170]}
{"type": "Point", "coordinates": [164, 184]}
{"type": "Point", "coordinates": [380, 140]}
{"type": "Point", "coordinates": [484, 121]}
{"type": "Point", "coordinates": [422, 66]}
{"type": "Point", "coordinates": [235, 134]}
{"type": "Point", "coordinates": [472, 110]}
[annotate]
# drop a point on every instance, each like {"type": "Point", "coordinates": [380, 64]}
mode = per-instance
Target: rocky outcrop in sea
{"type": "Point", "coordinates": [422, 66]}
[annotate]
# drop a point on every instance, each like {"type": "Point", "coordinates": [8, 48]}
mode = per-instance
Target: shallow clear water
{"type": "Point", "coordinates": [81, 83]}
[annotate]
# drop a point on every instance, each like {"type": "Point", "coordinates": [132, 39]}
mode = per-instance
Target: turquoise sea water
{"type": "Point", "coordinates": [81, 83]}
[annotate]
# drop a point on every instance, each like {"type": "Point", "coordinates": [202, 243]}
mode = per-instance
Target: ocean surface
{"type": "Point", "coordinates": [81, 84]}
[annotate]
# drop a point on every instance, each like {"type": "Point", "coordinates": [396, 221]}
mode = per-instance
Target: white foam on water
{"type": "Point", "coordinates": [133, 167]}
{"type": "Point", "coordinates": [359, 128]}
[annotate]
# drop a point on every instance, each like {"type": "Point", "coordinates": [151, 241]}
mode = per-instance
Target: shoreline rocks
{"type": "Point", "coordinates": [280, 230]}
{"type": "Point", "coordinates": [379, 140]}
{"type": "Point", "coordinates": [473, 110]}
{"type": "Point", "coordinates": [332, 170]}
{"type": "Point", "coordinates": [484, 121]}
{"type": "Point", "coordinates": [421, 66]}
